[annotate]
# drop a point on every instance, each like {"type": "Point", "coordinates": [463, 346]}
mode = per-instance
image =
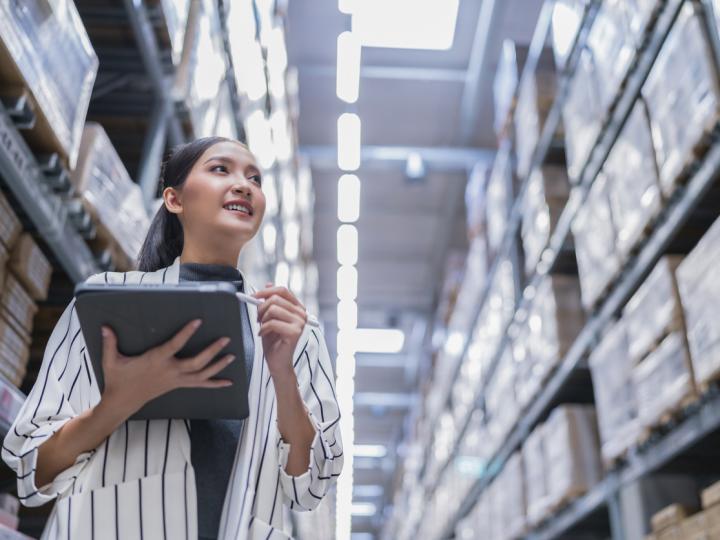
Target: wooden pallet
{"type": "Point", "coordinates": [674, 413]}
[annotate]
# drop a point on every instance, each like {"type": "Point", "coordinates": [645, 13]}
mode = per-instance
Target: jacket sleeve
{"type": "Point", "coordinates": [317, 388]}
{"type": "Point", "coordinates": [63, 389]}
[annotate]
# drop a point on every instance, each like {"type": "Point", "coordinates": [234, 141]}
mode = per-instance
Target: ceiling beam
{"type": "Point", "coordinates": [402, 73]}
{"type": "Point", "coordinates": [440, 158]}
{"type": "Point", "coordinates": [478, 64]}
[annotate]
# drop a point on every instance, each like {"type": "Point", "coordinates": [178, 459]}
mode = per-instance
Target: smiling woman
{"type": "Point", "coordinates": [180, 478]}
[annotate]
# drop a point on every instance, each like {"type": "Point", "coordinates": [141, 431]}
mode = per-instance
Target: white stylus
{"type": "Point", "coordinates": [312, 321]}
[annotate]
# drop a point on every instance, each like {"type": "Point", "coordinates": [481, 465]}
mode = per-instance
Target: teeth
{"type": "Point", "coordinates": [237, 207]}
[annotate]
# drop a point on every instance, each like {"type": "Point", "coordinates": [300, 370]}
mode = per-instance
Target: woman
{"type": "Point", "coordinates": [120, 478]}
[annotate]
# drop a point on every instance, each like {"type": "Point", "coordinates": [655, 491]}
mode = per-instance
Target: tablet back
{"type": "Point", "coordinates": [144, 316]}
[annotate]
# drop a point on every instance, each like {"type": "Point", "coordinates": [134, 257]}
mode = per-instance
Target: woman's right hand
{"type": "Point", "coordinates": [132, 381]}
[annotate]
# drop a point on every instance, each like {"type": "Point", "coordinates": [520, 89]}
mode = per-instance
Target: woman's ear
{"type": "Point", "coordinates": [171, 198]}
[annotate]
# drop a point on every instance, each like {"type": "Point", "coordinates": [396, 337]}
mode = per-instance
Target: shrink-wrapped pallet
{"type": "Point", "coordinates": [567, 17]}
{"type": "Point", "coordinates": [537, 482]}
{"type": "Point", "coordinates": [547, 192]}
{"type": "Point", "coordinates": [10, 226]}
{"type": "Point", "coordinates": [664, 380]}
{"type": "Point", "coordinates": [615, 397]}
{"type": "Point", "coordinates": [113, 200]}
{"type": "Point", "coordinates": [639, 13]}
{"type": "Point", "coordinates": [173, 25]}
{"type": "Point", "coordinates": [501, 402]}
{"type": "Point", "coordinates": [595, 243]}
{"type": "Point", "coordinates": [498, 197]}
{"type": "Point", "coordinates": [633, 187]}
{"type": "Point", "coordinates": [682, 95]}
{"type": "Point", "coordinates": [700, 295]}
{"type": "Point", "coordinates": [44, 47]}
{"type": "Point", "coordinates": [18, 303]}
{"type": "Point", "coordinates": [654, 310]}
{"type": "Point", "coordinates": [572, 453]}
{"type": "Point", "coordinates": [511, 484]}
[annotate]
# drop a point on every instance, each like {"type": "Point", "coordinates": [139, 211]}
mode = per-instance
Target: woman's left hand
{"type": "Point", "coordinates": [282, 319]}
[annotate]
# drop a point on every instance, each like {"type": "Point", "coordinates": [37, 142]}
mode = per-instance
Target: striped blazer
{"type": "Point", "coordinates": [139, 483]}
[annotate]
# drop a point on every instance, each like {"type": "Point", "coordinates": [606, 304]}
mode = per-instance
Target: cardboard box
{"type": "Point", "coordinates": [694, 527]}
{"type": "Point", "coordinates": [16, 300]}
{"type": "Point", "coordinates": [710, 496]}
{"type": "Point", "coordinates": [31, 267]}
{"type": "Point", "coordinates": [682, 95]}
{"type": "Point", "coordinates": [14, 353]}
{"type": "Point", "coordinates": [655, 309]}
{"type": "Point", "coordinates": [547, 192]}
{"type": "Point", "coordinates": [113, 200]}
{"type": "Point", "coordinates": [10, 226]}
{"type": "Point", "coordinates": [669, 516]}
{"type": "Point", "coordinates": [615, 397]}
{"type": "Point", "coordinates": [664, 380]}
{"type": "Point", "coordinates": [700, 295]}
{"type": "Point", "coordinates": [572, 453]}
{"type": "Point", "coordinates": [633, 187]}
{"type": "Point", "coordinates": [44, 47]}
{"type": "Point", "coordinates": [595, 243]}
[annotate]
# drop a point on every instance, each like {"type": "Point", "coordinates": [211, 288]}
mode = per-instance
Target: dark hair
{"type": "Point", "coordinates": [164, 240]}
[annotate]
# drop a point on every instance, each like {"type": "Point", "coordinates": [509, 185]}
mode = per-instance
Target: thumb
{"type": "Point", "coordinates": [268, 284]}
{"type": "Point", "coordinates": [109, 344]}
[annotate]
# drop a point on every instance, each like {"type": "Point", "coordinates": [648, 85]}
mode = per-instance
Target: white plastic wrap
{"type": "Point", "coordinates": [51, 54]}
{"type": "Point", "coordinates": [175, 15]}
{"type": "Point", "coordinates": [654, 309]}
{"type": "Point", "coordinates": [201, 73]}
{"type": "Point", "coordinates": [501, 404]}
{"type": "Point", "coordinates": [682, 95]}
{"type": "Point", "coordinates": [511, 484]}
{"type": "Point", "coordinates": [582, 114]}
{"type": "Point", "coordinates": [498, 199]}
{"type": "Point", "coordinates": [506, 80]}
{"type": "Point", "coordinates": [537, 480]}
{"type": "Point", "coordinates": [475, 201]}
{"type": "Point", "coordinates": [700, 295]}
{"type": "Point", "coordinates": [612, 48]}
{"type": "Point", "coordinates": [571, 450]}
{"type": "Point", "coordinates": [546, 195]}
{"type": "Point", "coordinates": [535, 98]}
{"type": "Point", "coordinates": [567, 17]}
{"type": "Point", "coordinates": [638, 14]}
{"type": "Point", "coordinates": [614, 393]}
{"type": "Point", "coordinates": [664, 380]}
{"type": "Point", "coordinates": [633, 185]}
{"type": "Point", "coordinates": [113, 200]}
{"type": "Point", "coordinates": [595, 243]}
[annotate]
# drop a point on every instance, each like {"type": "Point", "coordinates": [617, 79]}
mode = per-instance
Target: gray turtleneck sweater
{"type": "Point", "coordinates": [213, 442]}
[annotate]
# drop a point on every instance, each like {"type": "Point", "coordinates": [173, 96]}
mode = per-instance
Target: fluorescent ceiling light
{"type": "Point", "coordinates": [379, 340]}
{"type": "Point", "coordinates": [269, 236]}
{"type": "Point", "coordinates": [348, 67]}
{"type": "Point", "coordinates": [369, 450]}
{"type": "Point", "coordinates": [347, 283]}
{"type": "Point", "coordinates": [282, 274]}
{"type": "Point", "coordinates": [348, 198]}
{"type": "Point", "coordinates": [415, 167]}
{"type": "Point", "coordinates": [260, 138]}
{"type": "Point", "coordinates": [406, 24]}
{"type": "Point", "coordinates": [349, 142]}
{"type": "Point", "coordinates": [292, 240]}
{"type": "Point", "coordinates": [363, 509]}
{"type": "Point", "coordinates": [347, 315]}
{"type": "Point", "coordinates": [347, 245]}
{"type": "Point", "coordinates": [346, 6]}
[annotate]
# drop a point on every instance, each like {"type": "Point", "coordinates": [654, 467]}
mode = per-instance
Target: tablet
{"type": "Point", "coordinates": [144, 316]}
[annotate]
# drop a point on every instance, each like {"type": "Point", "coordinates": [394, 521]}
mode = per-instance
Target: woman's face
{"type": "Point", "coordinates": [222, 197]}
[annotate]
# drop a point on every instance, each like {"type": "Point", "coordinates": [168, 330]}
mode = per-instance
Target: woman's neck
{"type": "Point", "coordinates": [190, 255]}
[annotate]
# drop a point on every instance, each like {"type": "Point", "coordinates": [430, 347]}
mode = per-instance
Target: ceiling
{"type": "Point", "coordinates": [438, 103]}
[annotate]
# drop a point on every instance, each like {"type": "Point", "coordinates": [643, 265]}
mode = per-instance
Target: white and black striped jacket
{"type": "Point", "coordinates": [139, 483]}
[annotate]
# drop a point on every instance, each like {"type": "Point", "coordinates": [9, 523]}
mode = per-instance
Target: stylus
{"type": "Point", "coordinates": [312, 321]}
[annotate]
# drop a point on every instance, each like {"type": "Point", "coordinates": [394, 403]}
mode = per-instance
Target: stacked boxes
{"type": "Point", "coordinates": [44, 48]}
{"type": "Point", "coordinates": [614, 393]}
{"type": "Point", "coordinates": [633, 186]}
{"type": "Point", "coordinates": [682, 95]}
{"type": "Point", "coordinates": [700, 295]}
{"type": "Point", "coordinates": [567, 17]}
{"type": "Point", "coordinates": [113, 200]}
{"type": "Point", "coordinates": [31, 267]}
{"type": "Point", "coordinates": [535, 98]}
{"type": "Point", "coordinates": [511, 484]}
{"type": "Point", "coordinates": [595, 243]}
{"type": "Point", "coordinates": [498, 199]}
{"type": "Point", "coordinates": [174, 15]}
{"type": "Point", "coordinates": [675, 523]}
{"type": "Point", "coordinates": [546, 195]}
{"type": "Point", "coordinates": [501, 401]}
{"type": "Point", "coordinates": [571, 452]}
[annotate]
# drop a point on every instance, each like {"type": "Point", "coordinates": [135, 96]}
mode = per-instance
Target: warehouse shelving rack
{"type": "Point", "coordinates": [701, 419]}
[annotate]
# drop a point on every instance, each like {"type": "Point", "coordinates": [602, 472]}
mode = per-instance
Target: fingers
{"type": "Point", "coordinates": [283, 292]}
{"type": "Point", "coordinates": [178, 341]}
{"type": "Point", "coordinates": [200, 360]}
{"type": "Point", "coordinates": [213, 369]}
{"type": "Point", "coordinates": [282, 328]}
{"type": "Point", "coordinates": [109, 344]}
{"type": "Point", "coordinates": [280, 308]}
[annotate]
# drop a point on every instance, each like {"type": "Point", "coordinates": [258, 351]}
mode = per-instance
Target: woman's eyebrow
{"type": "Point", "coordinates": [253, 169]}
{"type": "Point", "coordinates": [224, 159]}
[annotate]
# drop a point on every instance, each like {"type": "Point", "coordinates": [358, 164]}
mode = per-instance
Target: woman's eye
{"type": "Point", "coordinates": [256, 178]}
{"type": "Point", "coordinates": [221, 168]}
